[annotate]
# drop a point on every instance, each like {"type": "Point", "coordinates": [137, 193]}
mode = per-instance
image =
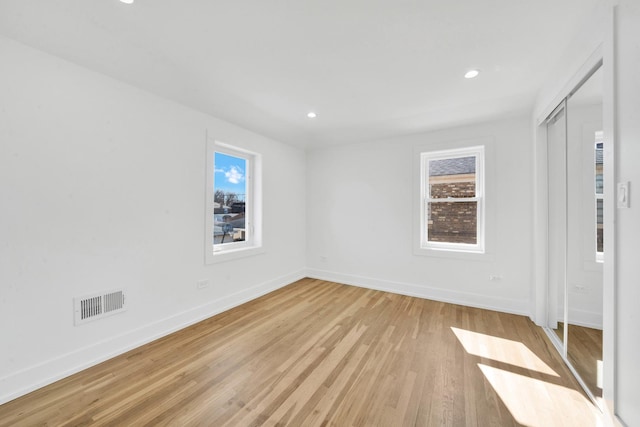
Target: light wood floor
{"type": "Point", "coordinates": [584, 352]}
{"type": "Point", "coordinates": [321, 353]}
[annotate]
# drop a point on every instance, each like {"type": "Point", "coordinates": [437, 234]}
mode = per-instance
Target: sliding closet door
{"type": "Point", "coordinates": [557, 181]}
{"type": "Point", "coordinates": [585, 232]}
{"type": "Point", "coordinates": [575, 194]}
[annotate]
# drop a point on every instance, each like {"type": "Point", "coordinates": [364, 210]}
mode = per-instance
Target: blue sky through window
{"type": "Point", "coordinates": [229, 173]}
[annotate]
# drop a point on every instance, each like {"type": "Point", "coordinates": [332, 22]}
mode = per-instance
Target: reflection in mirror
{"type": "Point", "coordinates": [585, 232]}
{"type": "Point", "coordinates": [556, 143]}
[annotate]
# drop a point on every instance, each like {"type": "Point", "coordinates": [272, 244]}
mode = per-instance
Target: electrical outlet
{"type": "Point", "coordinates": [202, 284]}
{"type": "Point", "coordinates": [581, 289]}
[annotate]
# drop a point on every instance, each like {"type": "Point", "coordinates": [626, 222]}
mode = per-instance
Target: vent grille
{"type": "Point", "coordinates": [90, 307]}
{"type": "Point", "coordinates": [98, 306]}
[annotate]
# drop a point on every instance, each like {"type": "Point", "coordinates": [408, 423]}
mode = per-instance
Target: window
{"type": "Point", "coordinates": [599, 199]}
{"type": "Point", "coordinates": [452, 208]}
{"type": "Point", "coordinates": [233, 202]}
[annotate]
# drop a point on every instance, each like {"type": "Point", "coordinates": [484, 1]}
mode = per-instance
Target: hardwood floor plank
{"type": "Point", "coordinates": [585, 352]}
{"type": "Point", "coordinates": [318, 353]}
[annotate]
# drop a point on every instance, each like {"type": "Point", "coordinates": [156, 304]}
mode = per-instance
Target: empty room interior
{"type": "Point", "coordinates": [347, 213]}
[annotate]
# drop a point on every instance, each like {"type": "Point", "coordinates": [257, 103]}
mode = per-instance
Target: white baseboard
{"type": "Point", "coordinates": [35, 377]}
{"type": "Point", "coordinates": [505, 305]}
{"type": "Point", "coordinates": [588, 319]}
{"type": "Point", "coordinates": [584, 318]}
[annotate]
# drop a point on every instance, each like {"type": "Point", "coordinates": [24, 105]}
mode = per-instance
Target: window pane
{"type": "Point", "coordinates": [599, 227]}
{"type": "Point", "coordinates": [452, 208]}
{"type": "Point", "coordinates": [454, 177]}
{"type": "Point", "coordinates": [230, 191]}
{"type": "Point", "coordinates": [599, 164]}
{"type": "Point", "coordinates": [453, 222]}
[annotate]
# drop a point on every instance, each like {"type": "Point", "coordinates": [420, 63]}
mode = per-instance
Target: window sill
{"type": "Point", "coordinates": [233, 254]}
{"type": "Point", "coordinates": [453, 254]}
{"type": "Point", "coordinates": [595, 265]}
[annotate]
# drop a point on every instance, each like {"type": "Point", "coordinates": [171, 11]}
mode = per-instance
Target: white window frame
{"type": "Point", "coordinates": [253, 205]}
{"type": "Point", "coordinates": [425, 157]}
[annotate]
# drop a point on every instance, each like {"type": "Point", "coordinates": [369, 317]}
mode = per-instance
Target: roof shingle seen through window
{"type": "Point", "coordinates": [454, 166]}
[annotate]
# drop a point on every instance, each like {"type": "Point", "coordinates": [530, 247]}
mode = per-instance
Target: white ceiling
{"type": "Point", "coordinates": [369, 68]}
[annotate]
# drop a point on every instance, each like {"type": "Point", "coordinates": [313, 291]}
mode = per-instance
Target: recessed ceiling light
{"type": "Point", "coordinates": [126, 1]}
{"type": "Point", "coordinates": [471, 74]}
{"type": "Point", "coordinates": [312, 115]}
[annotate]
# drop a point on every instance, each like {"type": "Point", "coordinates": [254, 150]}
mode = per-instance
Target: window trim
{"type": "Point", "coordinates": [253, 208]}
{"type": "Point", "coordinates": [424, 244]}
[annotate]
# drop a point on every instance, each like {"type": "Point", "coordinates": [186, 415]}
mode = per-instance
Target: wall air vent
{"type": "Point", "coordinates": [97, 306]}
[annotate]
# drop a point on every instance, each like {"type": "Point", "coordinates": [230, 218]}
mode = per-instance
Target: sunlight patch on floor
{"type": "Point", "coordinates": [537, 403]}
{"type": "Point", "coordinates": [501, 350]}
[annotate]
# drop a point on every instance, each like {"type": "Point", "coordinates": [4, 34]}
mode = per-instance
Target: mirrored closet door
{"type": "Point", "coordinates": [557, 168]}
{"type": "Point", "coordinates": [575, 170]}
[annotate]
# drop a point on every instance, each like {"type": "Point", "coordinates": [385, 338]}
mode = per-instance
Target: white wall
{"type": "Point", "coordinates": [627, 239]}
{"type": "Point", "coordinates": [102, 187]}
{"type": "Point", "coordinates": [361, 226]}
{"type": "Point", "coordinates": [567, 73]}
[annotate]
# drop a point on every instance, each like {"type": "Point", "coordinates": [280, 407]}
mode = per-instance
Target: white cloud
{"type": "Point", "coordinates": [234, 175]}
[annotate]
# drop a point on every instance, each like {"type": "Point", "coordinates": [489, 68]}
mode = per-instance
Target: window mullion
{"type": "Point", "coordinates": [453, 199]}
